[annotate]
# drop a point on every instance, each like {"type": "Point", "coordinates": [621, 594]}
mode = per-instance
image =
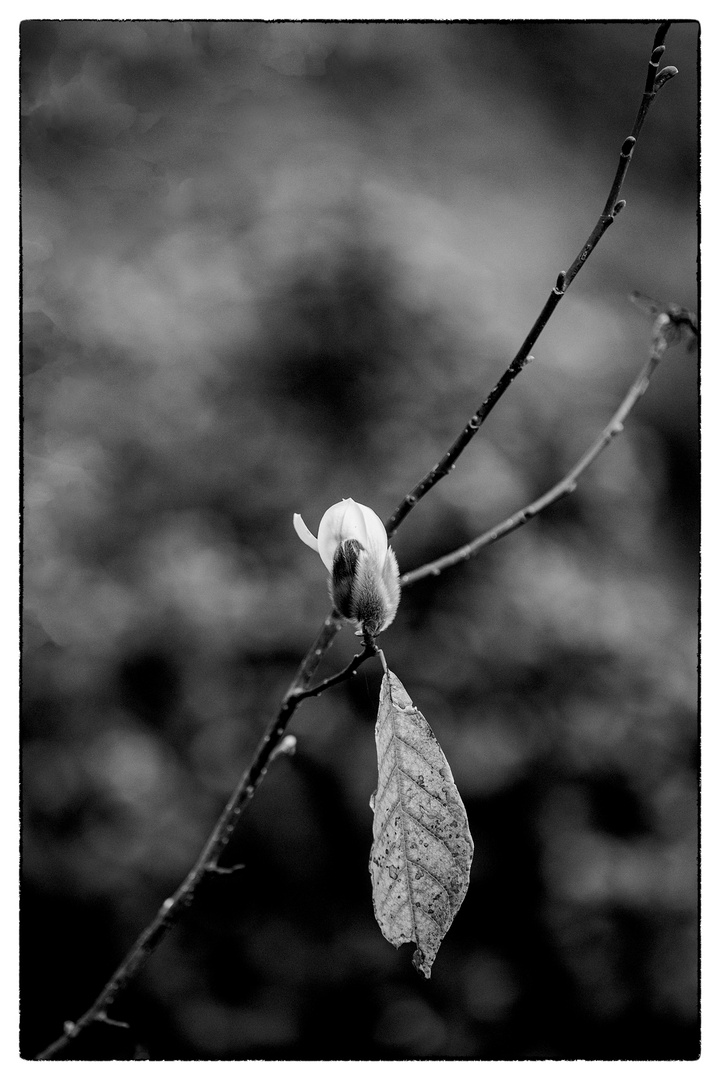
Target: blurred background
{"type": "Point", "coordinates": [268, 266]}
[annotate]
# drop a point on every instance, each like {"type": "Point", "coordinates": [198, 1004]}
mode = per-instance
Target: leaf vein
{"type": "Point", "coordinates": [439, 925]}
{"type": "Point", "coordinates": [425, 790]}
{"type": "Point", "coordinates": [439, 839]}
{"type": "Point", "coordinates": [388, 818]}
{"type": "Point", "coordinates": [426, 870]}
{"type": "Point", "coordinates": [400, 739]}
{"type": "Point", "coordinates": [399, 802]}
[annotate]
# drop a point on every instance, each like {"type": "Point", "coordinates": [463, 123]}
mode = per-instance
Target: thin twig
{"type": "Point", "coordinates": [370, 649]}
{"type": "Point", "coordinates": [668, 327]}
{"type": "Point", "coordinates": [654, 81]}
{"type": "Point", "coordinates": [207, 862]}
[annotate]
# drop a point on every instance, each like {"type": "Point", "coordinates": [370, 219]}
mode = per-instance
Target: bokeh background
{"type": "Point", "coordinates": [267, 266]}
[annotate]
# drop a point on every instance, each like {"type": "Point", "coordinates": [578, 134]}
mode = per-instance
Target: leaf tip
{"type": "Point", "coordinates": [420, 963]}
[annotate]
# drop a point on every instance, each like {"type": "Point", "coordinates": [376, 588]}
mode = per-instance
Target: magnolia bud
{"type": "Point", "coordinates": [364, 583]}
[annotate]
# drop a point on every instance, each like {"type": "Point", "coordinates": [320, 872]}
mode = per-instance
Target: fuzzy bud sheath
{"type": "Point", "coordinates": [364, 582]}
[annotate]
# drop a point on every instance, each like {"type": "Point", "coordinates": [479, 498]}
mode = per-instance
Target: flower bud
{"type": "Point", "coordinates": [364, 582]}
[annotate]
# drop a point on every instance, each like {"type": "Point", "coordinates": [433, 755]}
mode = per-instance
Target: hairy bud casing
{"type": "Point", "coordinates": [364, 581]}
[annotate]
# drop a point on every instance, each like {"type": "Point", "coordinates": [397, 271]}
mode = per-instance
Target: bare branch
{"type": "Point", "coordinates": [207, 862]}
{"type": "Point", "coordinates": [369, 650]}
{"type": "Point", "coordinates": [669, 325]}
{"type": "Point", "coordinates": [613, 206]}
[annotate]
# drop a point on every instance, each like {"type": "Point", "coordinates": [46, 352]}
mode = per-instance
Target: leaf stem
{"type": "Point", "coordinates": [369, 649]}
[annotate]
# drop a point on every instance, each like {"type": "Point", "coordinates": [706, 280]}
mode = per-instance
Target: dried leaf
{"type": "Point", "coordinates": [422, 848]}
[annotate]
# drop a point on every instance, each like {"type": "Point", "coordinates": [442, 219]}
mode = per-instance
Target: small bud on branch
{"type": "Point", "coordinates": [664, 76]}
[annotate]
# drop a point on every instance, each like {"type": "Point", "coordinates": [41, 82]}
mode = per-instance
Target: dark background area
{"type": "Point", "coordinates": [268, 266]}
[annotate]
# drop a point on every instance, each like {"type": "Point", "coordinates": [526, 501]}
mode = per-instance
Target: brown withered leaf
{"type": "Point", "coordinates": [422, 848]}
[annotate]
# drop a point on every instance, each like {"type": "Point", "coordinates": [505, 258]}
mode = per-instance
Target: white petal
{"type": "Point", "coordinates": [343, 521]}
{"type": "Point", "coordinates": [304, 533]}
{"type": "Point", "coordinates": [377, 541]}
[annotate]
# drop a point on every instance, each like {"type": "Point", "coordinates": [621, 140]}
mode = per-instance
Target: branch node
{"type": "Point", "coordinates": [105, 1019]}
{"type": "Point", "coordinates": [667, 320]}
{"type": "Point", "coordinates": [287, 746]}
{"type": "Point", "coordinates": [213, 868]}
